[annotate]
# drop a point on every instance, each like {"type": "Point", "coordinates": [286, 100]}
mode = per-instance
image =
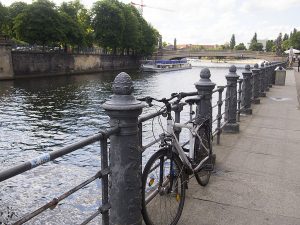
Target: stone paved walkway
{"type": "Point", "coordinates": [257, 179]}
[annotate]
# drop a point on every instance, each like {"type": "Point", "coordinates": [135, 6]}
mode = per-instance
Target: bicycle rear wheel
{"type": "Point", "coordinates": [163, 190]}
{"type": "Point", "coordinates": [203, 175]}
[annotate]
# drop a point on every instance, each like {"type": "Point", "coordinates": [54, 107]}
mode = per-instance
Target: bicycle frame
{"type": "Point", "coordinates": [178, 149]}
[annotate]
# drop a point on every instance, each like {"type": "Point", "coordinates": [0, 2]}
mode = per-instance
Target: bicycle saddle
{"type": "Point", "coordinates": [192, 101]}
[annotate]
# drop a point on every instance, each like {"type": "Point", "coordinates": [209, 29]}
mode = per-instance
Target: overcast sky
{"type": "Point", "coordinates": [214, 21]}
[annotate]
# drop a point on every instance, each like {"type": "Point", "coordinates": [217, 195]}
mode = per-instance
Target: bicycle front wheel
{"type": "Point", "coordinates": [163, 190]}
{"type": "Point", "coordinates": [202, 150]}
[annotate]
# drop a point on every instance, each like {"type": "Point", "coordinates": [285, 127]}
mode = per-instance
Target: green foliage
{"type": "Point", "coordinates": [270, 45]}
{"type": "Point", "coordinates": [3, 17]}
{"type": "Point", "coordinates": [131, 35]}
{"type": "Point", "coordinates": [278, 44]}
{"type": "Point", "coordinates": [240, 46]}
{"type": "Point", "coordinates": [108, 23]}
{"type": "Point", "coordinates": [254, 45]}
{"type": "Point", "coordinates": [113, 25]}
{"type": "Point", "coordinates": [232, 42]}
{"type": "Point", "coordinates": [118, 26]}
{"type": "Point", "coordinates": [77, 16]}
{"type": "Point", "coordinates": [14, 10]}
{"type": "Point", "coordinates": [285, 37]}
{"type": "Point", "coordinates": [286, 44]}
{"type": "Point", "coordinates": [40, 24]}
{"type": "Point", "coordinates": [295, 40]}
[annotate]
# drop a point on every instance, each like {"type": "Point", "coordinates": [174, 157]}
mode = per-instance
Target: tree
{"type": "Point", "coordinates": [285, 37]}
{"type": "Point", "coordinates": [278, 44]}
{"type": "Point", "coordinates": [295, 40]}
{"type": "Point", "coordinates": [131, 33]}
{"type": "Point", "coordinates": [108, 23]}
{"type": "Point", "coordinates": [253, 44]}
{"type": "Point", "coordinates": [3, 17]}
{"type": "Point", "coordinates": [232, 42]}
{"type": "Point", "coordinates": [73, 33]}
{"type": "Point", "coordinates": [14, 10]}
{"type": "Point", "coordinates": [286, 44]}
{"type": "Point", "coordinates": [240, 46]}
{"type": "Point", "coordinates": [269, 45]}
{"type": "Point", "coordinates": [81, 19]}
{"type": "Point", "coordinates": [40, 24]}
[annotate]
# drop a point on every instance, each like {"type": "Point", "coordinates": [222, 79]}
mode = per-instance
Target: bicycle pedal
{"type": "Point", "coordinates": [208, 167]}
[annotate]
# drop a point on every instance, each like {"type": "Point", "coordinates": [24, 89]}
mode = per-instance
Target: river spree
{"type": "Point", "coordinates": [44, 114]}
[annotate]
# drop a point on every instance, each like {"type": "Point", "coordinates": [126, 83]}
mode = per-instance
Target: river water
{"type": "Point", "coordinates": [44, 114]}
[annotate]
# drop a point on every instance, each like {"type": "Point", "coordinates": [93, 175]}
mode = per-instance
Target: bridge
{"type": "Point", "coordinates": [187, 53]}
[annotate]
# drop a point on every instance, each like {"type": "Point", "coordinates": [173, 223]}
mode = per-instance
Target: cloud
{"type": "Point", "coordinates": [263, 5]}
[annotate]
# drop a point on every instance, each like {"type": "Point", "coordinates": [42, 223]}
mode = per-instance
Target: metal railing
{"type": "Point", "coordinates": [47, 157]}
{"type": "Point", "coordinates": [124, 136]}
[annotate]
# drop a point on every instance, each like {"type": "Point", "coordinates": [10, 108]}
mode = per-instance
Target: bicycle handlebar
{"type": "Point", "coordinates": [166, 101]}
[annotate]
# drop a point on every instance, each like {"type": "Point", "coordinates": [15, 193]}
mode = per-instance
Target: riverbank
{"type": "Point", "coordinates": [43, 64]}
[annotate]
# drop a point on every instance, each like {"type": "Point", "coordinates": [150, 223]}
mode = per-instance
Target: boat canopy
{"type": "Point", "coordinates": [171, 61]}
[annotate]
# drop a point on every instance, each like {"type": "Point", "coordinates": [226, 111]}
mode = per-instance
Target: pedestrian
{"type": "Point", "coordinates": [298, 64]}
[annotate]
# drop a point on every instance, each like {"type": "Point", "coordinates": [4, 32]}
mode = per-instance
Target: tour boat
{"type": "Point", "coordinates": [165, 65]}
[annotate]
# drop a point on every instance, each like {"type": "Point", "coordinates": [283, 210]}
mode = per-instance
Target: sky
{"type": "Point", "coordinates": [214, 21]}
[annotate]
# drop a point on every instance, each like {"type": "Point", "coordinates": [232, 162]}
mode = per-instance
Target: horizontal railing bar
{"type": "Point", "coordinates": [150, 116]}
{"type": "Point", "coordinates": [224, 124]}
{"type": "Point", "coordinates": [214, 106]}
{"type": "Point", "coordinates": [216, 119]}
{"type": "Point", "coordinates": [55, 201]}
{"type": "Point", "coordinates": [101, 209]}
{"type": "Point", "coordinates": [219, 88]}
{"type": "Point", "coordinates": [47, 157]}
{"type": "Point", "coordinates": [215, 132]}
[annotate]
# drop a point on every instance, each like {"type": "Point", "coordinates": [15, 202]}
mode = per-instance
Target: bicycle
{"type": "Point", "coordinates": [165, 174]}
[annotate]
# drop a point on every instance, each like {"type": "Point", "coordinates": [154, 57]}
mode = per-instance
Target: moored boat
{"type": "Point", "coordinates": [165, 65]}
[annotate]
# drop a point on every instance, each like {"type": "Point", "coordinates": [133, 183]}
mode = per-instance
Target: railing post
{"type": "Point", "coordinates": [231, 103]}
{"type": "Point", "coordinates": [266, 78]}
{"type": "Point", "coordinates": [239, 99]}
{"type": "Point", "coordinates": [104, 165]}
{"type": "Point", "coordinates": [204, 87]}
{"type": "Point", "coordinates": [262, 75]}
{"type": "Point", "coordinates": [268, 71]}
{"type": "Point", "coordinates": [220, 103]}
{"type": "Point", "coordinates": [125, 155]}
{"type": "Point", "coordinates": [255, 90]}
{"type": "Point", "coordinates": [247, 91]}
{"type": "Point", "coordinates": [177, 111]}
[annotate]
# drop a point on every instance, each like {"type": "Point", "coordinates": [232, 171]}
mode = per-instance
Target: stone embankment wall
{"type": "Point", "coordinates": [27, 63]}
{"type": "Point", "coordinates": [6, 70]}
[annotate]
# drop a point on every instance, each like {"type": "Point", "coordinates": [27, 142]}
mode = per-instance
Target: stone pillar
{"type": "Point", "coordinates": [247, 91]}
{"type": "Point", "coordinates": [270, 69]}
{"type": "Point", "coordinates": [255, 88]}
{"type": "Point", "coordinates": [266, 81]}
{"type": "Point", "coordinates": [204, 87]}
{"type": "Point", "coordinates": [231, 103]}
{"type": "Point", "coordinates": [262, 75]}
{"type": "Point", "coordinates": [6, 66]}
{"type": "Point", "coordinates": [124, 156]}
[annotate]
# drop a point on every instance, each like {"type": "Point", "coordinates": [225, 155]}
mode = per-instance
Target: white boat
{"type": "Point", "coordinates": [165, 65]}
